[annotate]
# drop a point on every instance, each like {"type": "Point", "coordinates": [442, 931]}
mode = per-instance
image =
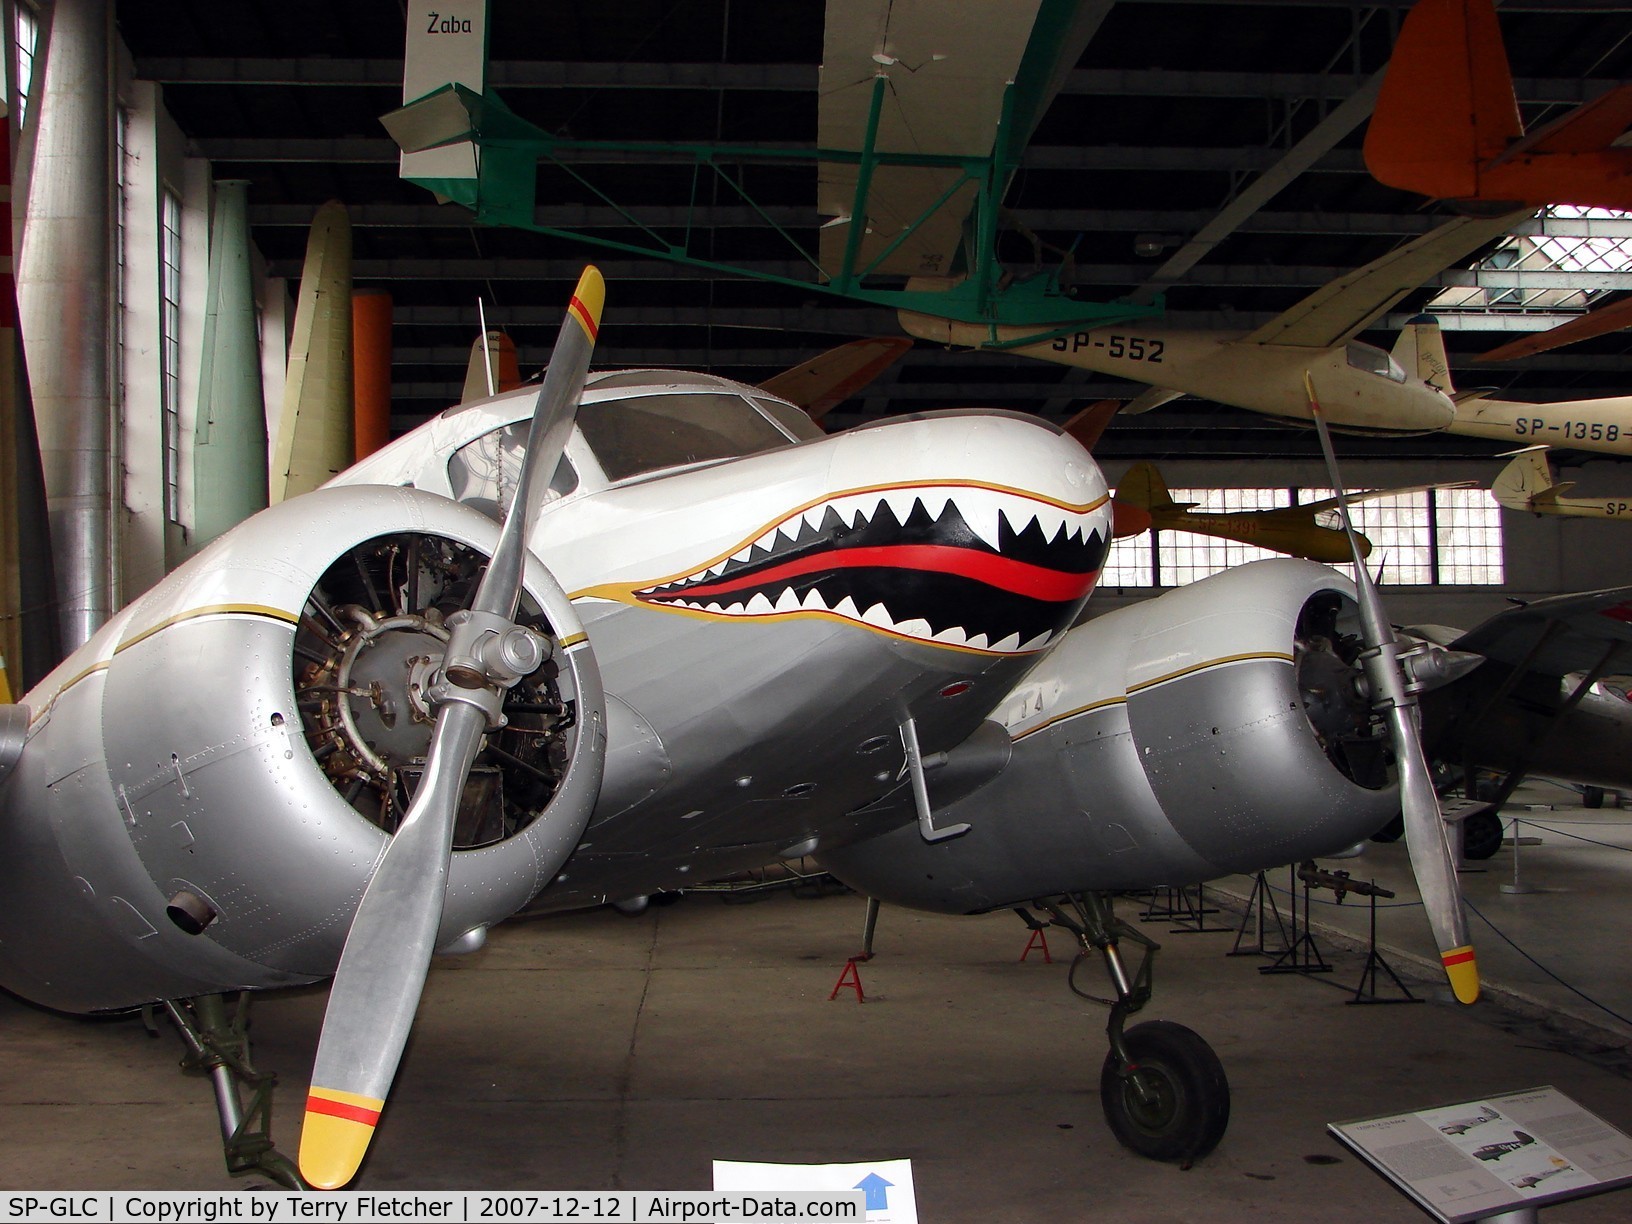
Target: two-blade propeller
{"type": "Point", "coordinates": [388, 949]}
{"type": "Point", "coordinates": [1432, 860]}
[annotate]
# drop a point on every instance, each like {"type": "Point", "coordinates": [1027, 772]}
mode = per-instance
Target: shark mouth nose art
{"type": "Point", "coordinates": [964, 566]}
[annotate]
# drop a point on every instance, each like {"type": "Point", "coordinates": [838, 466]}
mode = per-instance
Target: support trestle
{"type": "Point", "coordinates": [218, 1047]}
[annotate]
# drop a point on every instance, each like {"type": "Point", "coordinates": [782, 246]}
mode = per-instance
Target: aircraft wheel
{"type": "Point", "coordinates": [1592, 796]}
{"type": "Point", "coordinates": [1390, 832]}
{"type": "Point", "coordinates": [1186, 1102]}
{"type": "Point", "coordinates": [1481, 835]}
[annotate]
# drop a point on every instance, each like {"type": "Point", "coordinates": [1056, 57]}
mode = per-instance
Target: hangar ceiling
{"type": "Point", "coordinates": [1209, 148]}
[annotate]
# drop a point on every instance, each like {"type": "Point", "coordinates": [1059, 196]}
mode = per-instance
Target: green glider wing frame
{"type": "Point", "coordinates": [510, 152]}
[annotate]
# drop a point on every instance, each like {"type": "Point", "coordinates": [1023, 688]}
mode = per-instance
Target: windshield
{"type": "Point", "coordinates": [644, 434]}
{"type": "Point", "coordinates": [1373, 361]}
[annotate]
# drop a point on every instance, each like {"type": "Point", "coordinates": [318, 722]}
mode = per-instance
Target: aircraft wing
{"type": "Point", "coordinates": [1573, 631]}
{"type": "Point", "coordinates": [1360, 495]}
{"type": "Point", "coordinates": [945, 69]}
{"type": "Point", "coordinates": [1340, 309]}
{"type": "Point", "coordinates": [824, 382]}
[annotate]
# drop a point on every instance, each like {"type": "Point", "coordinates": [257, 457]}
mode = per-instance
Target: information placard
{"type": "Point", "coordinates": [1522, 1149]}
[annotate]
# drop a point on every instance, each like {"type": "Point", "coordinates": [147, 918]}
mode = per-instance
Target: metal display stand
{"type": "Point", "coordinates": [1302, 954]}
{"type": "Point", "coordinates": [1185, 905]}
{"type": "Point", "coordinates": [1366, 990]}
{"type": "Point", "coordinates": [1260, 901]}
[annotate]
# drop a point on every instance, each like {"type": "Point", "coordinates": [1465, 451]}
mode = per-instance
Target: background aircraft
{"type": "Point", "coordinates": [1447, 124]}
{"type": "Point", "coordinates": [1297, 531]}
{"type": "Point", "coordinates": [1366, 389]}
{"type": "Point", "coordinates": [1527, 484]}
{"type": "Point", "coordinates": [776, 643]}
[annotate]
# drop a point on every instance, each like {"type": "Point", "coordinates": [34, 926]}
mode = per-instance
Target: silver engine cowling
{"type": "Point", "coordinates": [209, 783]}
{"type": "Point", "coordinates": [1222, 727]}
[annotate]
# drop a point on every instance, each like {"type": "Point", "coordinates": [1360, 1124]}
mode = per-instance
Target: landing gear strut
{"type": "Point", "coordinates": [1163, 1089]}
{"type": "Point", "coordinates": [219, 1048]}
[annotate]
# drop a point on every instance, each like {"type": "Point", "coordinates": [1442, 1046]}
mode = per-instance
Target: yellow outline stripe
{"type": "Point", "coordinates": [1275, 655]}
{"type": "Point", "coordinates": [624, 592]}
{"type": "Point", "coordinates": [263, 611]}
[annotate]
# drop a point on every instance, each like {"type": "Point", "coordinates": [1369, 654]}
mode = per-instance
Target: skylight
{"type": "Point", "coordinates": [1572, 239]}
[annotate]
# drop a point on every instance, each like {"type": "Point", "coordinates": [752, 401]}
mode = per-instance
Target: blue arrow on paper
{"type": "Point", "coordinates": [876, 1189]}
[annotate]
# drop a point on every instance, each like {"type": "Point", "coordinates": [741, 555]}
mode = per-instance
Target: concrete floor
{"type": "Point", "coordinates": [596, 1051]}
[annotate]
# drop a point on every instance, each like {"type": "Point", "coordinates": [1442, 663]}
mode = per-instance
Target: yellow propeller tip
{"type": "Point", "coordinates": [1463, 972]}
{"type": "Point", "coordinates": [588, 299]}
{"type": "Point", "coordinates": [335, 1136]}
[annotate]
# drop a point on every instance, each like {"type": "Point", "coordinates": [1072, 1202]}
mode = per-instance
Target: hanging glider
{"type": "Point", "coordinates": [1598, 322]}
{"type": "Point", "coordinates": [1527, 484]}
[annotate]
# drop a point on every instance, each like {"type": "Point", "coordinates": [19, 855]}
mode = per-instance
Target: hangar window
{"type": "Point", "coordinates": [170, 349]}
{"type": "Point", "coordinates": [27, 29]}
{"type": "Point", "coordinates": [1468, 537]}
{"type": "Point", "coordinates": [1447, 537]}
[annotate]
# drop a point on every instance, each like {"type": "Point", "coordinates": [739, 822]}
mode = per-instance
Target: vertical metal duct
{"type": "Point", "coordinates": [63, 286]}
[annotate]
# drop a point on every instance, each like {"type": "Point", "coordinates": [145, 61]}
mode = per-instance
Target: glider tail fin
{"type": "Point", "coordinates": [1420, 350]}
{"type": "Point", "coordinates": [1527, 481]}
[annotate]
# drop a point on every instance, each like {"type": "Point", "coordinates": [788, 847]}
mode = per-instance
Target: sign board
{"type": "Point", "coordinates": [1466, 1162]}
{"type": "Point", "coordinates": [447, 44]}
{"type": "Point", "coordinates": [887, 1183]}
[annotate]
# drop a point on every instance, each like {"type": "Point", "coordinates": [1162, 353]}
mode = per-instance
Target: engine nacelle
{"type": "Point", "coordinates": [1220, 728]}
{"type": "Point", "coordinates": [209, 783]}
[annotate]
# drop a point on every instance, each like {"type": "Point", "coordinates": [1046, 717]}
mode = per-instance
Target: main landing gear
{"type": "Point", "coordinates": [218, 1046]}
{"type": "Point", "coordinates": [1162, 1087]}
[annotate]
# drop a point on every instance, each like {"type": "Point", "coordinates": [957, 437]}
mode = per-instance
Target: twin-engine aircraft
{"type": "Point", "coordinates": [650, 629]}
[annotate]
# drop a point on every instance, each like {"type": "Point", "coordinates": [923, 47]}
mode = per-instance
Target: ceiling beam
{"type": "Point", "coordinates": [1275, 276]}
{"type": "Point", "coordinates": [1301, 157]}
{"type": "Point", "coordinates": [364, 150]}
{"type": "Point", "coordinates": [790, 78]}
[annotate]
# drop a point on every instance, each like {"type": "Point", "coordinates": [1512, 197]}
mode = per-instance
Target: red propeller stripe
{"type": "Point", "coordinates": [339, 1109]}
{"type": "Point", "coordinates": [1460, 957]}
{"type": "Point", "coordinates": [585, 319]}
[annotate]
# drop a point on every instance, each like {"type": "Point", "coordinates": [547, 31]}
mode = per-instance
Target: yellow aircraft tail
{"type": "Point", "coordinates": [1420, 350]}
{"type": "Point", "coordinates": [1144, 487]}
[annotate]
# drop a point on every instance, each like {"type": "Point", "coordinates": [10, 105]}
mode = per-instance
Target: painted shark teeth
{"type": "Point", "coordinates": [1003, 522]}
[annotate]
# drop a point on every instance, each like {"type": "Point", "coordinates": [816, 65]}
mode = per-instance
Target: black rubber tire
{"type": "Point", "coordinates": [1481, 835]}
{"type": "Point", "coordinates": [1592, 796]}
{"type": "Point", "coordinates": [1392, 831]}
{"type": "Point", "coordinates": [1191, 1107]}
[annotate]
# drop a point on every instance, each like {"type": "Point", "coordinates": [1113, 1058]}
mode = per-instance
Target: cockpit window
{"type": "Point", "coordinates": [791, 419]}
{"type": "Point", "coordinates": [483, 472]}
{"type": "Point", "coordinates": [650, 432]}
{"type": "Point", "coordinates": [1373, 361]}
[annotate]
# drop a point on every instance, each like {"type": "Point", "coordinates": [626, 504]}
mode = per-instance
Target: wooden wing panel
{"type": "Point", "coordinates": [945, 68]}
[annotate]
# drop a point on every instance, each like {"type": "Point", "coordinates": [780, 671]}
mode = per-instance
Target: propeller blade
{"type": "Point", "coordinates": [1432, 861]}
{"type": "Point", "coordinates": [388, 949]}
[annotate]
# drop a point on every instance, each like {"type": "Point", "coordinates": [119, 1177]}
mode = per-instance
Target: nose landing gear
{"type": "Point", "coordinates": [1163, 1089]}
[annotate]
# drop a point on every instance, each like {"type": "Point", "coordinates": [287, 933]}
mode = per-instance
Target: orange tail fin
{"type": "Point", "coordinates": [1447, 103]}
